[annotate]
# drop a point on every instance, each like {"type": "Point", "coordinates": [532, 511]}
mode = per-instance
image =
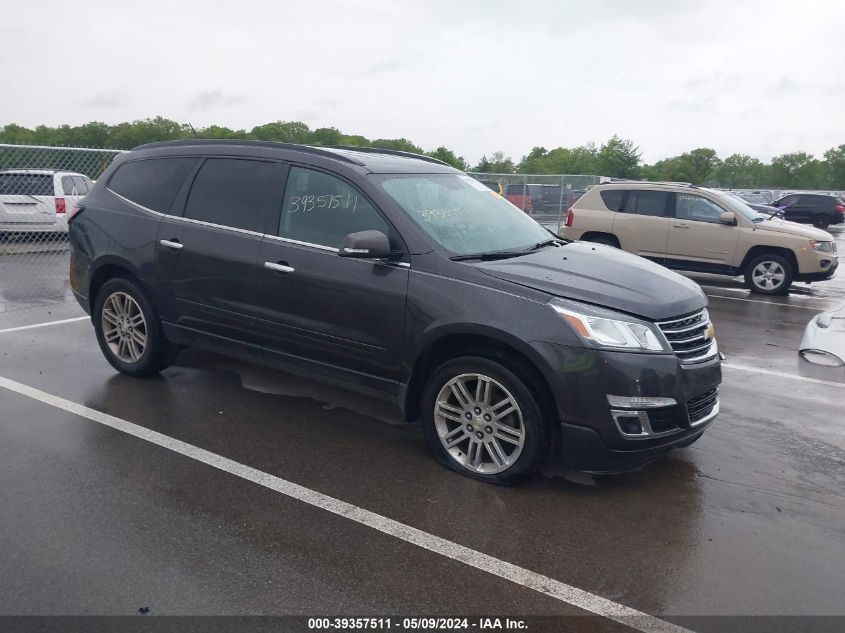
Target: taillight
{"type": "Point", "coordinates": [570, 217]}
{"type": "Point", "coordinates": [74, 211]}
{"type": "Point", "coordinates": [60, 205]}
{"type": "Point", "coordinates": [840, 208]}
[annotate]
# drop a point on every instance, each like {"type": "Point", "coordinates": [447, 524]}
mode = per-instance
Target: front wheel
{"type": "Point", "coordinates": [769, 275]}
{"type": "Point", "coordinates": [481, 420]}
{"type": "Point", "coordinates": [128, 329]}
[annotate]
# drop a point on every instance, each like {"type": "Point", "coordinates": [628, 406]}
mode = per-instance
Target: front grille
{"type": "Point", "coordinates": [701, 406]}
{"type": "Point", "coordinates": [688, 337]}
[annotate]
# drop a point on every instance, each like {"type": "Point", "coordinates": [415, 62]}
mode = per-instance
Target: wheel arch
{"type": "Point", "coordinates": [756, 251]}
{"type": "Point", "coordinates": [452, 342]}
{"type": "Point", "coordinates": [109, 267]}
{"type": "Point", "coordinates": [585, 237]}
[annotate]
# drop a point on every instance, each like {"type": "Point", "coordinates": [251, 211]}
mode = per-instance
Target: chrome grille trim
{"type": "Point", "coordinates": [692, 328]}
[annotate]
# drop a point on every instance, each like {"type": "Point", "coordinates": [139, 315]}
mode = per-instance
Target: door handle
{"type": "Point", "coordinates": [681, 226]}
{"type": "Point", "coordinates": [279, 268]}
{"type": "Point", "coordinates": [174, 244]}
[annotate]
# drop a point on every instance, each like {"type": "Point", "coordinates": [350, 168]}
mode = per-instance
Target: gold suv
{"type": "Point", "coordinates": [691, 228]}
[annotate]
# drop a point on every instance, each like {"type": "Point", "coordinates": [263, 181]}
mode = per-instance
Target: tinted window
{"type": "Point", "coordinates": [322, 209]}
{"type": "Point", "coordinates": [81, 185]}
{"type": "Point", "coordinates": [696, 208]}
{"type": "Point", "coordinates": [26, 185]}
{"type": "Point", "coordinates": [152, 183]}
{"type": "Point", "coordinates": [239, 193]}
{"type": "Point", "coordinates": [644, 202]}
{"type": "Point", "coordinates": [612, 198]}
{"type": "Point", "coordinates": [68, 186]}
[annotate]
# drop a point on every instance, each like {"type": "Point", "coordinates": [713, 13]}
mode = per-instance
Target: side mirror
{"type": "Point", "coordinates": [727, 217]}
{"type": "Point", "coordinates": [365, 245]}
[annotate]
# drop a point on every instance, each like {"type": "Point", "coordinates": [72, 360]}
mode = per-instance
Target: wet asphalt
{"type": "Point", "coordinates": [748, 521]}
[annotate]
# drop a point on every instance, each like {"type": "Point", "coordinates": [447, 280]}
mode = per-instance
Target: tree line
{"type": "Point", "coordinates": [617, 157]}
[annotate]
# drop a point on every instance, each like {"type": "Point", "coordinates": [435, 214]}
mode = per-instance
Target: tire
{"type": "Point", "coordinates": [821, 221]}
{"type": "Point", "coordinates": [495, 451]}
{"type": "Point", "coordinates": [769, 274]}
{"type": "Point", "coordinates": [603, 239]}
{"type": "Point", "coordinates": [128, 329]}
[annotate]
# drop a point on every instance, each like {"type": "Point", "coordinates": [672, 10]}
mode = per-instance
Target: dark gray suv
{"type": "Point", "coordinates": [397, 275]}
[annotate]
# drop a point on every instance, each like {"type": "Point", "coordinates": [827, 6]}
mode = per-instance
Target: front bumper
{"type": "Point", "coordinates": [590, 435]}
{"type": "Point", "coordinates": [819, 276]}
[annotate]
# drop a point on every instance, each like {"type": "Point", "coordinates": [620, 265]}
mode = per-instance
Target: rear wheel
{"type": "Point", "coordinates": [821, 221]}
{"type": "Point", "coordinates": [769, 275]}
{"type": "Point", "coordinates": [128, 329]}
{"type": "Point", "coordinates": [481, 420]}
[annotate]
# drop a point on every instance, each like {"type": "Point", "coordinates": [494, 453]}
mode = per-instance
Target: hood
{"type": "Point", "coordinates": [793, 228]}
{"type": "Point", "coordinates": [604, 276]}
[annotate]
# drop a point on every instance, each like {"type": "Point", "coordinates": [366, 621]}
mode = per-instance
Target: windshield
{"type": "Point", "coordinates": [738, 205]}
{"type": "Point", "coordinates": [462, 215]}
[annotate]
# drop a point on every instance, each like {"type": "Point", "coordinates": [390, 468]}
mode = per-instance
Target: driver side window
{"type": "Point", "coordinates": [322, 209]}
{"type": "Point", "coordinates": [696, 209]}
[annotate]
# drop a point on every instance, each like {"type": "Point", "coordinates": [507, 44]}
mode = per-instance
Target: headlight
{"type": "Point", "coordinates": [821, 247]}
{"type": "Point", "coordinates": [605, 328]}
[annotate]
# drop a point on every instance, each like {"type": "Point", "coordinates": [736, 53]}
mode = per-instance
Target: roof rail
{"type": "Point", "coordinates": [247, 143]}
{"type": "Point", "coordinates": [652, 182]}
{"type": "Point", "coordinates": [392, 152]}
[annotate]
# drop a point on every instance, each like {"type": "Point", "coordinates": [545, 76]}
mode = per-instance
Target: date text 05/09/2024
{"type": "Point", "coordinates": [416, 624]}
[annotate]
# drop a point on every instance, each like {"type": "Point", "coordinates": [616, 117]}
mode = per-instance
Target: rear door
{"type": "Point", "coordinates": [207, 255]}
{"type": "Point", "coordinates": [642, 225]}
{"type": "Point", "coordinates": [698, 240]}
{"type": "Point", "coordinates": [347, 315]}
{"type": "Point", "coordinates": [27, 201]}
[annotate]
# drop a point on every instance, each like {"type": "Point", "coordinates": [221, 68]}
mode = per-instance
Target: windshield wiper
{"type": "Point", "coordinates": [487, 256]}
{"type": "Point", "coordinates": [549, 242]}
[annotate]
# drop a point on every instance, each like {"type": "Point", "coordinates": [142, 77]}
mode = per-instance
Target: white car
{"type": "Point", "coordinates": [38, 200]}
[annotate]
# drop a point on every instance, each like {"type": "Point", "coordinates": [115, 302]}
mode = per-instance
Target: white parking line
{"type": "Point", "coordinates": [771, 303]}
{"type": "Point", "coordinates": [48, 323]}
{"type": "Point", "coordinates": [780, 374]}
{"type": "Point", "coordinates": [454, 551]}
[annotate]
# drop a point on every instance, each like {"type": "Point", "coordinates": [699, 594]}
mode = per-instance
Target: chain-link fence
{"type": "Point", "coordinates": [545, 197]}
{"type": "Point", "coordinates": [38, 188]}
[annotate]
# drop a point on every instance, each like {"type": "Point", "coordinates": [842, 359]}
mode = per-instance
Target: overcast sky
{"type": "Point", "coordinates": [763, 78]}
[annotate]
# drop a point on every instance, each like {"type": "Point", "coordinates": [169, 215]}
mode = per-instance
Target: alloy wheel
{"type": "Point", "coordinates": [124, 327]}
{"type": "Point", "coordinates": [768, 275]}
{"type": "Point", "coordinates": [479, 423]}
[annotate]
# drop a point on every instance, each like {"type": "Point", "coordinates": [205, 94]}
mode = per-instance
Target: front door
{"type": "Point", "coordinates": [698, 240]}
{"type": "Point", "coordinates": [344, 316]}
{"type": "Point", "coordinates": [207, 257]}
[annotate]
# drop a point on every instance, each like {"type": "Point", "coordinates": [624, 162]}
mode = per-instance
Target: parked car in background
{"type": "Point", "coordinates": [519, 196]}
{"type": "Point", "coordinates": [820, 210]}
{"type": "Point", "coordinates": [493, 185]}
{"type": "Point", "coordinates": [703, 230]}
{"type": "Point", "coordinates": [550, 199]}
{"type": "Point", "coordinates": [37, 200]}
{"type": "Point", "coordinates": [755, 197]}
{"type": "Point", "coordinates": [401, 276]}
{"type": "Point", "coordinates": [758, 207]}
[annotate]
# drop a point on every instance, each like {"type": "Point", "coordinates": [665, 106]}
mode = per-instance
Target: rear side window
{"type": "Point", "coordinates": [322, 209]}
{"type": "Point", "coordinates": [645, 202]}
{"type": "Point", "coordinates": [612, 199]}
{"type": "Point", "coordinates": [242, 194]}
{"type": "Point", "coordinates": [81, 184]}
{"type": "Point", "coordinates": [26, 185]}
{"type": "Point", "coordinates": [71, 186]}
{"type": "Point", "coordinates": [152, 183]}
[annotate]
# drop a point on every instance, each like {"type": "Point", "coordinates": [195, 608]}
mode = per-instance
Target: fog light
{"type": "Point", "coordinates": [639, 402]}
{"type": "Point", "coordinates": [630, 425]}
{"type": "Point", "coordinates": [825, 263]}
